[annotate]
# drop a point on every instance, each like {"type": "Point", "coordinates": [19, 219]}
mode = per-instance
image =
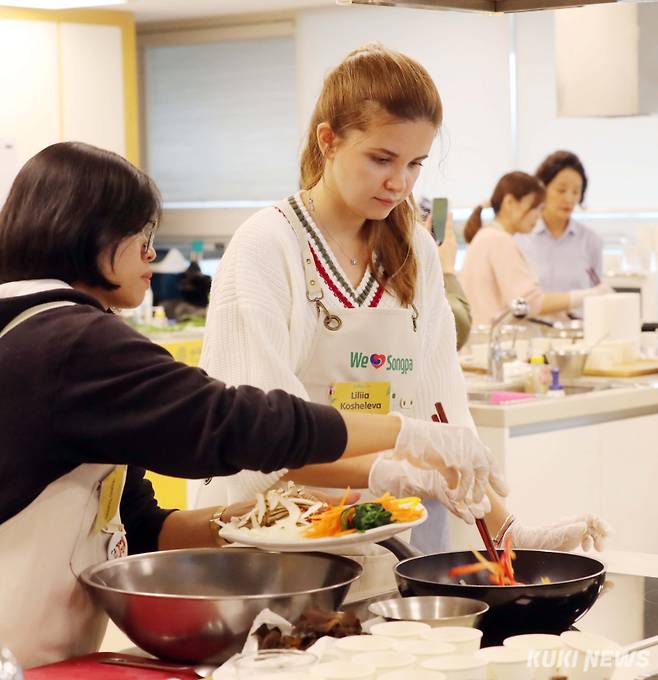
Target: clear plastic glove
{"type": "Point", "coordinates": [576, 297]}
{"type": "Point", "coordinates": [402, 479]}
{"type": "Point", "coordinates": [581, 531]}
{"type": "Point", "coordinates": [465, 464]}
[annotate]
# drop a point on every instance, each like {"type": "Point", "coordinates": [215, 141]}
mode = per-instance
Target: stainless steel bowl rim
{"type": "Point", "coordinates": [601, 571]}
{"type": "Point", "coordinates": [483, 606]}
{"type": "Point", "coordinates": [88, 573]}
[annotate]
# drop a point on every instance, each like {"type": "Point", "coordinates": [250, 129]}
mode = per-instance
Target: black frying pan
{"type": "Point", "coordinates": [576, 582]}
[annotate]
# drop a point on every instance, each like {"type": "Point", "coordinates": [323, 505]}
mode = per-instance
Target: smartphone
{"type": "Point", "coordinates": [439, 217]}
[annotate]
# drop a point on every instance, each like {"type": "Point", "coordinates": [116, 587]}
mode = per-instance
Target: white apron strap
{"type": "Point", "coordinates": [314, 292]}
{"type": "Point", "coordinates": [290, 212]}
{"type": "Point", "coordinates": [33, 311]}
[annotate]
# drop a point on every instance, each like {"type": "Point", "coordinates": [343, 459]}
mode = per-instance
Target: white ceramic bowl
{"type": "Point", "coordinates": [458, 666]}
{"type": "Point", "coordinates": [357, 644]}
{"type": "Point", "coordinates": [417, 675]}
{"type": "Point", "coordinates": [465, 640]}
{"type": "Point", "coordinates": [545, 653]}
{"type": "Point", "coordinates": [590, 657]}
{"type": "Point", "coordinates": [423, 648]}
{"type": "Point", "coordinates": [400, 629]}
{"type": "Point", "coordinates": [506, 663]}
{"type": "Point", "coordinates": [342, 670]}
{"type": "Point", "coordinates": [385, 661]}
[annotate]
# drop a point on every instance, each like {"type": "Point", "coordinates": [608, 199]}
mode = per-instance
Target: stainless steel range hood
{"type": "Point", "coordinates": [478, 5]}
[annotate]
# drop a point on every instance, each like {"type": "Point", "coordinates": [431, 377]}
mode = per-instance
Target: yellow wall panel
{"type": "Point", "coordinates": [171, 492]}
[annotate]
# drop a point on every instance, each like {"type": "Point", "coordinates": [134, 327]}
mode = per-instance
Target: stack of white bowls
{"type": "Point", "coordinates": [410, 650]}
{"type": "Point", "coordinates": [405, 650]}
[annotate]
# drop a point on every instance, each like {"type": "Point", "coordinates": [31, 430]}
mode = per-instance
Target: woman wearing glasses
{"type": "Point", "coordinates": [87, 403]}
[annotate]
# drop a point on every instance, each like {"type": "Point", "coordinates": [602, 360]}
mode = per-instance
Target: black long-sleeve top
{"type": "Point", "coordinates": [78, 385]}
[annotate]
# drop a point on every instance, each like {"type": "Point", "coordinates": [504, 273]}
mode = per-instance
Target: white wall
{"type": "Point", "coordinates": [466, 54]}
{"type": "Point", "coordinates": [620, 154]}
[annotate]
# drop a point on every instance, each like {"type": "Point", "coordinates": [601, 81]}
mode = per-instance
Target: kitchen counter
{"type": "Point", "coordinates": [590, 452]}
{"type": "Point", "coordinates": [609, 400]}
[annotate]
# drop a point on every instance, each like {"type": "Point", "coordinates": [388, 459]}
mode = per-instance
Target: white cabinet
{"type": "Point", "coordinates": [61, 81]}
{"type": "Point", "coordinates": [607, 468]}
{"type": "Point", "coordinates": [92, 85]}
{"type": "Point", "coordinates": [29, 85]}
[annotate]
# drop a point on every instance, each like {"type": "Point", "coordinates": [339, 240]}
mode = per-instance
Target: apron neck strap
{"type": "Point", "coordinates": [292, 213]}
{"type": "Point", "coordinates": [33, 311]}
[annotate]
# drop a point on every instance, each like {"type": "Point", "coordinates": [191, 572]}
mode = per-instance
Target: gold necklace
{"type": "Point", "coordinates": [311, 204]}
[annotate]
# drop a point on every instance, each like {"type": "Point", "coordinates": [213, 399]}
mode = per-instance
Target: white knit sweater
{"type": "Point", "coordinates": [260, 326]}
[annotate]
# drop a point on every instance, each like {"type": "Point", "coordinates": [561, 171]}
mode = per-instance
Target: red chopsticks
{"type": "Point", "coordinates": [440, 417]}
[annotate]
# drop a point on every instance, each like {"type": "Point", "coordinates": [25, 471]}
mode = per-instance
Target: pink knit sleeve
{"type": "Point", "coordinates": [516, 277]}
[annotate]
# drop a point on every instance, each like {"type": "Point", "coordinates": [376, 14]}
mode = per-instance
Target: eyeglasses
{"type": "Point", "coordinates": [148, 234]}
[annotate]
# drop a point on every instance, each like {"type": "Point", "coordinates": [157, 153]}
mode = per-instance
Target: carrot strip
{"type": "Point", "coordinates": [327, 524]}
{"type": "Point", "coordinates": [467, 569]}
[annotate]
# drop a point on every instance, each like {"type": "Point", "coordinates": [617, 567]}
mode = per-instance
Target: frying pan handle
{"type": "Point", "coordinates": [642, 644]}
{"type": "Point", "coordinates": [399, 548]}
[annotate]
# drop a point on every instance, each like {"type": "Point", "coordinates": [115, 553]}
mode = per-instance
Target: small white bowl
{"type": "Point", "coordinates": [423, 648]}
{"type": "Point", "coordinates": [589, 657]}
{"type": "Point", "coordinates": [400, 629]}
{"type": "Point", "coordinates": [417, 675]}
{"type": "Point", "coordinates": [458, 666]}
{"type": "Point", "coordinates": [342, 670]}
{"type": "Point", "coordinates": [545, 653]}
{"type": "Point", "coordinates": [357, 644]}
{"type": "Point", "coordinates": [465, 640]}
{"type": "Point", "coordinates": [384, 661]}
{"type": "Point", "coordinates": [534, 641]}
{"type": "Point", "coordinates": [505, 663]}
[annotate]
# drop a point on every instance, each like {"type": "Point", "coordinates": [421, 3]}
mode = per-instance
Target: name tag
{"type": "Point", "coordinates": [110, 497]}
{"type": "Point", "coordinates": [362, 397]}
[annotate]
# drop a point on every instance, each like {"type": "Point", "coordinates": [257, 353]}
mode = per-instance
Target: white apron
{"type": "Point", "coordinates": [361, 347]}
{"type": "Point", "coordinates": [46, 614]}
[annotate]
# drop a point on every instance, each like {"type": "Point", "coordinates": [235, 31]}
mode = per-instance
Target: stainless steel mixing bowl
{"type": "Point", "coordinates": [571, 362]}
{"type": "Point", "coordinates": [436, 610]}
{"type": "Point", "coordinates": [198, 605]}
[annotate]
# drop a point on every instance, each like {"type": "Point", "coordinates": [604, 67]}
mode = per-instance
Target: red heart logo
{"type": "Point", "coordinates": [377, 360]}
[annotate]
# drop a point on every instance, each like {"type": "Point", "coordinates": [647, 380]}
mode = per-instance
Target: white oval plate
{"type": "Point", "coordinates": [268, 540]}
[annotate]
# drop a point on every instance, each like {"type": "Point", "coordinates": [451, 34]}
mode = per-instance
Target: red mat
{"type": "Point", "coordinates": [89, 668]}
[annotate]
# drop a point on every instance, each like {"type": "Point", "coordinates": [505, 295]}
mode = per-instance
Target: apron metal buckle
{"type": "Point", "coordinates": [414, 316]}
{"type": "Point", "coordinates": [331, 321]}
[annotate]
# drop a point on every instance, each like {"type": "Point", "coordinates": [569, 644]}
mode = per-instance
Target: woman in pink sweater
{"type": "Point", "coordinates": [495, 269]}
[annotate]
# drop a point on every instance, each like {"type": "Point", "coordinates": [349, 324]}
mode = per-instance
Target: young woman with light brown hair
{"type": "Point", "coordinates": [336, 293]}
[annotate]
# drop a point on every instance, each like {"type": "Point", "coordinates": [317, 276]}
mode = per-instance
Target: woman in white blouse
{"type": "Point", "coordinates": [336, 294]}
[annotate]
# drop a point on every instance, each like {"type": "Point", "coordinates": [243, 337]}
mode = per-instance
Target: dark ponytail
{"type": "Point", "coordinates": [519, 185]}
{"type": "Point", "coordinates": [473, 224]}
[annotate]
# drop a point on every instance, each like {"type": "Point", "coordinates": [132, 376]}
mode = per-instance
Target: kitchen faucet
{"type": "Point", "coordinates": [498, 355]}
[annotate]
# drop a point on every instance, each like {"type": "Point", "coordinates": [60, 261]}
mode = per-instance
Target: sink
{"type": "Point", "coordinates": [483, 394]}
